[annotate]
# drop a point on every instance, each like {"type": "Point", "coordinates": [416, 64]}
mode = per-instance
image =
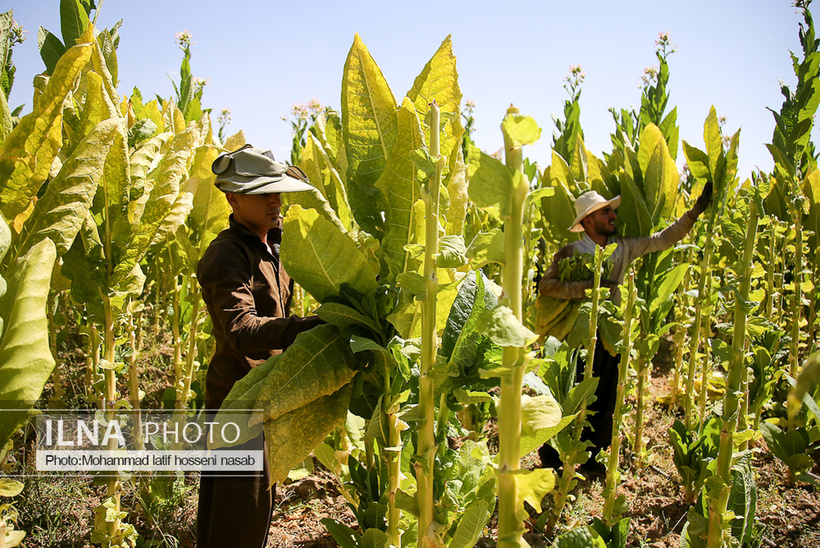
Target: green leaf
{"type": "Point", "coordinates": [460, 339]}
{"type": "Point", "coordinates": [211, 210]}
{"type": "Point", "coordinates": [452, 252]}
{"type": "Point", "coordinates": [580, 537]}
{"type": "Point", "coordinates": [486, 247]}
{"type": "Point", "coordinates": [633, 212]}
{"type": "Point", "coordinates": [25, 356]}
{"type": "Point", "coordinates": [713, 140]}
{"type": "Point", "coordinates": [291, 437]}
{"type": "Point", "coordinates": [492, 184]}
{"type": "Point", "coordinates": [320, 257]}
{"type": "Point", "coordinates": [533, 486]}
{"type": "Point", "coordinates": [520, 130]}
{"type": "Point", "coordinates": [51, 49]}
{"type": "Point", "coordinates": [369, 129]}
{"type": "Point", "coordinates": [343, 316]}
{"type": "Point", "coordinates": [538, 413]}
{"type": "Point", "coordinates": [314, 366]}
{"type": "Point", "coordinates": [400, 189]}
{"type": "Point", "coordinates": [61, 211]}
{"type": "Point", "coordinates": [438, 81]}
{"type": "Point", "coordinates": [73, 21]}
{"type": "Point", "coordinates": [341, 533]}
{"type": "Point", "coordinates": [27, 154]}
{"type": "Point", "coordinates": [503, 328]}
{"type": "Point", "coordinates": [10, 487]}
{"type": "Point", "coordinates": [166, 181]}
{"type": "Point", "coordinates": [243, 396]}
{"type": "Point", "coordinates": [471, 524]}
{"type": "Point", "coordinates": [324, 175]}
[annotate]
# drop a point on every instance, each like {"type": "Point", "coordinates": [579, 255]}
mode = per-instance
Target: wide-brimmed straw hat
{"type": "Point", "coordinates": [589, 202]}
{"type": "Point", "coordinates": [250, 170]}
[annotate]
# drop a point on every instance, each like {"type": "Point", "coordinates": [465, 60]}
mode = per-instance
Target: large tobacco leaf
{"type": "Point", "coordinates": [369, 129]}
{"type": "Point", "coordinates": [28, 152]}
{"type": "Point", "coordinates": [303, 393]}
{"type": "Point", "coordinates": [26, 361]}
{"type": "Point", "coordinates": [319, 256]}
{"type": "Point", "coordinates": [169, 174]}
{"type": "Point", "coordinates": [60, 213]}
{"type": "Point", "coordinates": [401, 190]}
{"type": "Point", "coordinates": [438, 81]}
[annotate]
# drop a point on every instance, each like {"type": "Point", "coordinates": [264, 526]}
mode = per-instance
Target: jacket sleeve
{"type": "Point", "coordinates": [666, 238]}
{"type": "Point", "coordinates": [551, 286]}
{"type": "Point", "coordinates": [227, 288]}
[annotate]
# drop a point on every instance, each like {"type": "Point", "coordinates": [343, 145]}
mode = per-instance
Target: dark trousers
{"type": "Point", "coordinates": [599, 431]}
{"type": "Point", "coordinates": [235, 509]}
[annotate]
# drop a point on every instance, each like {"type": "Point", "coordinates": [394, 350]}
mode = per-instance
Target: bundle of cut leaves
{"type": "Point", "coordinates": [554, 316]}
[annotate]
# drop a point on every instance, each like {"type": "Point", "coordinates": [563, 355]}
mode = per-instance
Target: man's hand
{"type": "Point", "coordinates": [703, 200]}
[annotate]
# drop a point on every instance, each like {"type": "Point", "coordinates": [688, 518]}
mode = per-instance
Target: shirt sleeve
{"type": "Point", "coordinates": [666, 238]}
{"type": "Point", "coordinates": [551, 286]}
{"type": "Point", "coordinates": [227, 288]}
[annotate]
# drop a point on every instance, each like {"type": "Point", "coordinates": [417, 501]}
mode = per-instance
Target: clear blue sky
{"type": "Point", "coordinates": [261, 57]}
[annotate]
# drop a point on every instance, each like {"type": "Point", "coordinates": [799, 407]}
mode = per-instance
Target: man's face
{"type": "Point", "coordinates": [601, 222]}
{"type": "Point", "coordinates": [258, 212]}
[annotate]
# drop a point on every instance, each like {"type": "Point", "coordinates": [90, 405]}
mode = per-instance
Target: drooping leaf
{"type": "Point", "coordinates": [211, 209]}
{"type": "Point", "coordinates": [533, 486]}
{"type": "Point", "coordinates": [27, 154]}
{"type": "Point", "coordinates": [26, 361]}
{"type": "Point", "coordinates": [171, 172]}
{"type": "Point", "coordinates": [320, 257]}
{"type": "Point", "coordinates": [291, 437]}
{"type": "Point", "coordinates": [59, 214]}
{"type": "Point", "coordinates": [314, 366]}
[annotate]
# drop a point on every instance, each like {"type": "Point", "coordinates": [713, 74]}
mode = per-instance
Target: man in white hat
{"type": "Point", "coordinates": [247, 293]}
{"type": "Point", "coordinates": [595, 217]}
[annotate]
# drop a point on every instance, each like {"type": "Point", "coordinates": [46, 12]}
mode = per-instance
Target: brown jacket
{"type": "Point", "coordinates": [247, 293]}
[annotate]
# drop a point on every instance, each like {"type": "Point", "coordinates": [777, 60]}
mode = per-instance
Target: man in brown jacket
{"type": "Point", "coordinates": [596, 219]}
{"type": "Point", "coordinates": [247, 293]}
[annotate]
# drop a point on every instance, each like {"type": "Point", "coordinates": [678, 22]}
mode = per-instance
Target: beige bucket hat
{"type": "Point", "coordinates": [250, 170]}
{"type": "Point", "coordinates": [589, 202]}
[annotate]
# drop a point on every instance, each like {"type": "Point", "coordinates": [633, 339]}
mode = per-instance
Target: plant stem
{"type": "Point", "coordinates": [611, 487]}
{"type": "Point", "coordinates": [426, 449]}
{"type": "Point", "coordinates": [797, 301]}
{"type": "Point", "coordinates": [717, 502]}
{"type": "Point", "coordinates": [510, 527]}
{"type": "Point", "coordinates": [183, 396]}
{"type": "Point", "coordinates": [697, 326]}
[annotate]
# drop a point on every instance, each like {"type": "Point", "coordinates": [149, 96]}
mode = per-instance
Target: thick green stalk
{"type": "Point", "coordinates": [426, 449]}
{"type": "Point", "coordinates": [731, 406]}
{"type": "Point", "coordinates": [113, 486]}
{"type": "Point", "coordinates": [611, 486]}
{"type": "Point", "coordinates": [510, 527]}
{"type": "Point", "coordinates": [392, 455]}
